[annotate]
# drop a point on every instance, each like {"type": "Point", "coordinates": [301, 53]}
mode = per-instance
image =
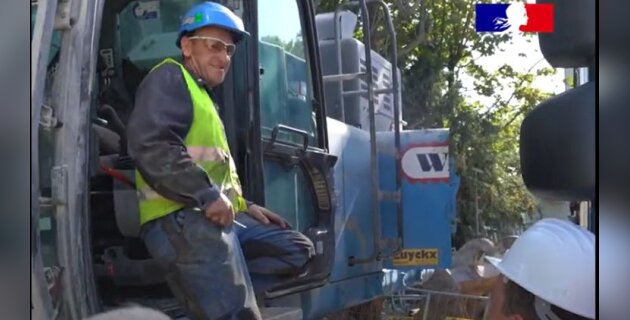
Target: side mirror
{"type": "Point", "coordinates": [558, 136]}
{"type": "Point", "coordinates": [557, 146]}
{"type": "Point", "coordinates": [572, 43]}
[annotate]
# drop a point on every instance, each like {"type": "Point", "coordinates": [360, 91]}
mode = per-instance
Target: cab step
{"type": "Point", "coordinates": [281, 313]}
{"type": "Point", "coordinates": [274, 313]}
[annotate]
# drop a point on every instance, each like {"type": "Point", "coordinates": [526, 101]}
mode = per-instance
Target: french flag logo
{"type": "Point", "coordinates": [510, 17]}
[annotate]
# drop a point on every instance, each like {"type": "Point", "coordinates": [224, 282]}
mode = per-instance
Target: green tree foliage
{"type": "Point", "coordinates": [438, 46]}
{"type": "Point", "coordinates": [294, 46]}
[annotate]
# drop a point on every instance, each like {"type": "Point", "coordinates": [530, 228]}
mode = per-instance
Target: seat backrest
{"type": "Point", "coordinates": [126, 206]}
{"type": "Point", "coordinates": [147, 31]}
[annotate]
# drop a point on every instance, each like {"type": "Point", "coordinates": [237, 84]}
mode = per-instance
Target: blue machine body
{"type": "Point", "coordinates": [428, 210]}
{"type": "Point", "coordinates": [429, 189]}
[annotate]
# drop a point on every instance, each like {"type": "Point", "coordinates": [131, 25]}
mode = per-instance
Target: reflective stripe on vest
{"type": "Point", "coordinates": [207, 146]}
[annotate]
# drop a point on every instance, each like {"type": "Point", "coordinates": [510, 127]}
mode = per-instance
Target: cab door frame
{"type": "Point", "coordinates": [41, 302]}
{"type": "Point", "coordinates": [67, 118]}
{"type": "Point", "coordinates": [314, 160]}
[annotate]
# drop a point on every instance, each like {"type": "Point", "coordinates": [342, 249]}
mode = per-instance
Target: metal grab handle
{"type": "Point", "coordinates": [279, 127]}
{"type": "Point", "coordinates": [376, 252]}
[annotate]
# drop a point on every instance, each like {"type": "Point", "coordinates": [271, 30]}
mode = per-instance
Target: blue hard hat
{"type": "Point", "coordinates": [208, 14]}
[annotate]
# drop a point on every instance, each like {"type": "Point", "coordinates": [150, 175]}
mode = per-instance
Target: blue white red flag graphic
{"type": "Point", "coordinates": [525, 17]}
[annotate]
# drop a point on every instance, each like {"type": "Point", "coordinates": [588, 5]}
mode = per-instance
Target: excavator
{"type": "Point", "coordinates": [313, 117]}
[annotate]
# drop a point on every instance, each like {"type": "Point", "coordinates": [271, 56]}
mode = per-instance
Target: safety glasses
{"type": "Point", "coordinates": [216, 45]}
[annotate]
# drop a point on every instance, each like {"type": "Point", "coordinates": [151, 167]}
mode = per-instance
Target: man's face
{"type": "Point", "coordinates": [208, 54]}
{"type": "Point", "coordinates": [497, 300]}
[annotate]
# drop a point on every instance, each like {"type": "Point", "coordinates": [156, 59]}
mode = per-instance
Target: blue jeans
{"type": "Point", "coordinates": [208, 268]}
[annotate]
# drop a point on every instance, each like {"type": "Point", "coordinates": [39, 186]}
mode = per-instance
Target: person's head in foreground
{"type": "Point", "coordinates": [130, 313]}
{"type": "Point", "coordinates": [548, 274]}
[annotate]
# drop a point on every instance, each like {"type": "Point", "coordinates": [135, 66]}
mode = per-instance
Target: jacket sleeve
{"type": "Point", "coordinates": [156, 130]}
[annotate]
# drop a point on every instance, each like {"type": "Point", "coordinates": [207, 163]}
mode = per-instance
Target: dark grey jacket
{"type": "Point", "coordinates": [156, 130]}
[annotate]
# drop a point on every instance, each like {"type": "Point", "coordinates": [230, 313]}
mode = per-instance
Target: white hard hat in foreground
{"type": "Point", "coordinates": [555, 260]}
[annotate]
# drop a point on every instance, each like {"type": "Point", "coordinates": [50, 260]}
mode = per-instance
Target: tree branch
{"type": "Point", "coordinates": [418, 40]}
{"type": "Point", "coordinates": [421, 30]}
{"type": "Point", "coordinates": [495, 104]}
{"type": "Point", "coordinates": [404, 10]}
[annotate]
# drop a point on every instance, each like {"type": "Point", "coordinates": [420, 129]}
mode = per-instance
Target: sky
{"type": "Point", "coordinates": [281, 11]}
{"type": "Point", "coordinates": [510, 55]}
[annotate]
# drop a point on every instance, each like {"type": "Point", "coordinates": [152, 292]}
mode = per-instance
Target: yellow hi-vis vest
{"type": "Point", "coordinates": [207, 146]}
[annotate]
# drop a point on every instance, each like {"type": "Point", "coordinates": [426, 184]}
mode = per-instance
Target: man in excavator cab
{"type": "Point", "coordinates": [195, 221]}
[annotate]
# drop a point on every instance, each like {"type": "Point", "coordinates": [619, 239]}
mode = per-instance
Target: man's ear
{"type": "Point", "coordinates": [186, 44]}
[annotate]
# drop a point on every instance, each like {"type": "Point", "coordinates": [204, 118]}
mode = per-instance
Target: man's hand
{"type": "Point", "coordinates": [221, 211]}
{"type": "Point", "coordinates": [266, 216]}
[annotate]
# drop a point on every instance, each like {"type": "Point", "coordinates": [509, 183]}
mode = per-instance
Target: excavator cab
{"type": "Point", "coordinates": [314, 123]}
{"type": "Point", "coordinates": [291, 161]}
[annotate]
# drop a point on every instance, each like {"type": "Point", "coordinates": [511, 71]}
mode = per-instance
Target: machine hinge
{"type": "Point", "coordinates": [59, 181]}
{"type": "Point", "coordinates": [48, 119]}
{"type": "Point", "coordinates": [63, 19]}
